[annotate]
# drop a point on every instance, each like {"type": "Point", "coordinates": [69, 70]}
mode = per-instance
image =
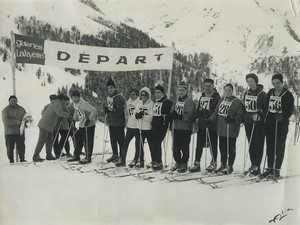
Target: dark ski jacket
{"type": "Point", "coordinates": [161, 114]}
{"type": "Point", "coordinates": [236, 111]}
{"type": "Point", "coordinates": [260, 108]}
{"type": "Point", "coordinates": [286, 108]}
{"type": "Point", "coordinates": [201, 116]}
{"type": "Point", "coordinates": [116, 117]}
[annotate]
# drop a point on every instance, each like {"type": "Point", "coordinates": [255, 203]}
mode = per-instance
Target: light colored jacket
{"type": "Point", "coordinates": [146, 121]}
{"type": "Point", "coordinates": [130, 113]}
{"type": "Point", "coordinates": [10, 117]}
{"type": "Point", "coordinates": [51, 114]}
{"type": "Point", "coordinates": [84, 111]}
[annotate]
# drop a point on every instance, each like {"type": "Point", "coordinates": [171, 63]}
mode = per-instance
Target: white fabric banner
{"type": "Point", "coordinates": [106, 59]}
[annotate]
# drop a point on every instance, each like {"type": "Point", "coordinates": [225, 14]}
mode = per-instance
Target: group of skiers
{"type": "Point", "coordinates": [218, 119]}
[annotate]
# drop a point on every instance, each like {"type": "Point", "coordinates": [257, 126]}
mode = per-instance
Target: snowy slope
{"type": "Point", "coordinates": [234, 32]}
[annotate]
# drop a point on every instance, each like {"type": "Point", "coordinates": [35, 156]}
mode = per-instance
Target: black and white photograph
{"type": "Point", "coordinates": [149, 112]}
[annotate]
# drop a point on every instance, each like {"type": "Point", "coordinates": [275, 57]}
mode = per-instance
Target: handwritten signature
{"type": "Point", "coordinates": [280, 216]}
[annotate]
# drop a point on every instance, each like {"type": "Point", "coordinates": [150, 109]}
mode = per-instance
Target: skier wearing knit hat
{"type": "Point", "coordinates": [115, 118]}
{"type": "Point", "coordinates": [280, 104]}
{"type": "Point", "coordinates": [182, 116]}
{"type": "Point", "coordinates": [255, 107]}
{"type": "Point", "coordinates": [160, 123]}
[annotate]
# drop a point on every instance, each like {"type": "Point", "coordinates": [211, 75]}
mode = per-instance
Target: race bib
{"type": "Point", "coordinates": [205, 103]}
{"type": "Point", "coordinates": [131, 110]}
{"type": "Point", "coordinates": [157, 109]}
{"type": "Point", "coordinates": [224, 108]}
{"type": "Point", "coordinates": [275, 104]}
{"type": "Point", "coordinates": [145, 110]}
{"type": "Point", "coordinates": [179, 107]}
{"type": "Point", "coordinates": [110, 102]}
{"type": "Point", "coordinates": [251, 103]}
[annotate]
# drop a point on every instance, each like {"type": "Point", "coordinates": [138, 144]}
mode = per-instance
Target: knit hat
{"type": "Point", "coordinates": [182, 84]}
{"type": "Point", "coordinates": [12, 97]}
{"type": "Point", "coordinates": [136, 91]}
{"type": "Point", "coordinates": [278, 76]}
{"type": "Point", "coordinates": [61, 97]}
{"type": "Point", "coordinates": [160, 88]}
{"type": "Point", "coordinates": [75, 93]}
{"type": "Point", "coordinates": [110, 83]}
{"type": "Point", "coordinates": [253, 76]}
{"type": "Point", "coordinates": [53, 97]}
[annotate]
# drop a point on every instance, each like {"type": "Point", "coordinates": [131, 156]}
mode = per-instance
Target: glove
{"type": "Point", "coordinates": [229, 120]}
{"type": "Point", "coordinates": [204, 112]}
{"type": "Point", "coordinates": [106, 110]}
{"type": "Point", "coordinates": [179, 116]}
{"type": "Point", "coordinates": [255, 117]}
{"type": "Point", "coordinates": [208, 122]}
{"type": "Point", "coordinates": [278, 117]}
{"type": "Point", "coordinates": [86, 123]}
{"type": "Point", "coordinates": [139, 115]}
{"type": "Point", "coordinates": [174, 115]}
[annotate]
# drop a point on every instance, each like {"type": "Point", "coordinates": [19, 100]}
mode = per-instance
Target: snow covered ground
{"type": "Point", "coordinates": [49, 194]}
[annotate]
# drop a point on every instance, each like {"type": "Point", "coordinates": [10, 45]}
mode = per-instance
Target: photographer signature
{"type": "Point", "coordinates": [280, 216]}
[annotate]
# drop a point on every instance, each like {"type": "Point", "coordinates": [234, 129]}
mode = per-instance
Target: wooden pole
{"type": "Point", "coordinates": [13, 61]}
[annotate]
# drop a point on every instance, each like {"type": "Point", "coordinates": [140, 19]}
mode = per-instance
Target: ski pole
{"type": "Point", "coordinates": [172, 146]}
{"type": "Point", "coordinates": [87, 144]}
{"type": "Point", "coordinates": [67, 137]}
{"type": "Point", "coordinates": [206, 148]}
{"type": "Point", "coordinates": [141, 141]}
{"type": "Point", "coordinates": [56, 133]}
{"type": "Point", "coordinates": [166, 145]}
{"type": "Point", "coordinates": [105, 134]}
{"type": "Point", "coordinates": [227, 145]}
{"type": "Point", "coordinates": [193, 145]}
{"type": "Point", "coordinates": [275, 148]}
{"type": "Point", "coordinates": [210, 147]}
{"type": "Point", "coordinates": [249, 145]}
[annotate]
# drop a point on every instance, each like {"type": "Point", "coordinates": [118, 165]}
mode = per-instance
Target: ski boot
{"type": "Point", "coordinates": [222, 167]}
{"type": "Point", "coordinates": [133, 163]}
{"type": "Point", "coordinates": [85, 161]}
{"type": "Point", "coordinates": [120, 163]}
{"type": "Point", "coordinates": [212, 167]}
{"type": "Point", "coordinates": [196, 167]}
{"type": "Point", "coordinates": [112, 158]}
{"type": "Point", "coordinates": [182, 169]}
{"type": "Point", "coordinates": [140, 164]}
{"type": "Point", "coordinates": [37, 158]}
{"type": "Point", "coordinates": [227, 170]}
{"type": "Point", "coordinates": [74, 159]}
{"type": "Point", "coordinates": [157, 166]}
{"type": "Point", "coordinates": [267, 172]}
{"type": "Point", "coordinates": [175, 167]}
{"type": "Point", "coordinates": [50, 157]}
{"type": "Point", "coordinates": [255, 171]}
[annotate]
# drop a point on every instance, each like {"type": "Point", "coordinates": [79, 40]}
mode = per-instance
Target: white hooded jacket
{"type": "Point", "coordinates": [130, 113]}
{"type": "Point", "coordinates": [145, 122]}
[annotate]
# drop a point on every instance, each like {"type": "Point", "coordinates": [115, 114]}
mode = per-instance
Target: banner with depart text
{"type": "Point", "coordinates": [37, 51]}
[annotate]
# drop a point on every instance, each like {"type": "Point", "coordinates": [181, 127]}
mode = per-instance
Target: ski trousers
{"type": "Point", "coordinates": [223, 150]}
{"type": "Point", "coordinates": [81, 139]}
{"type": "Point", "coordinates": [45, 137]}
{"type": "Point", "coordinates": [181, 146]}
{"type": "Point", "coordinates": [59, 142]}
{"type": "Point", "coordinates": [282, 131]}
{"type": "Point", "coordinates": [130, 134]}
{"type": "Point", "coordinates": [201, 139]}
{"type": "Point", "coordinates": [155, 147]}
{"type": "Point", "coordinates": [116, 138]}
{"type": "Point", "coordinates": [15, 139]}
{"type": "Point", "coordinates": [256, 147]}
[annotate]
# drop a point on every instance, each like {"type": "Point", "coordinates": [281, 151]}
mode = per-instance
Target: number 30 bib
{"type": "Point", "coordinates": [251, 103]}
